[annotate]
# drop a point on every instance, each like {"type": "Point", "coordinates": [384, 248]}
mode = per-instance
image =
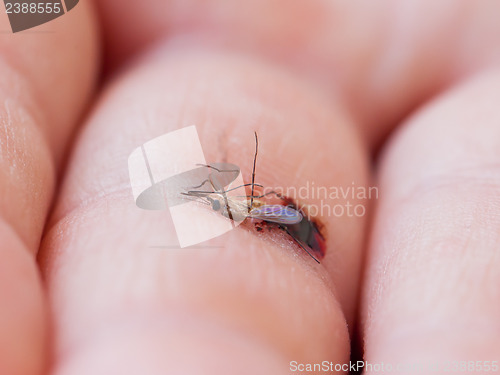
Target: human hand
{"type": "Point", "coordinates": [323, 83]}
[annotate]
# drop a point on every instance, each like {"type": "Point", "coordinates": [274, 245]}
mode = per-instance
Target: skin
{"type": "Point", "coordinates": [418, 275]}
{"type": "Point", "coordinates": [35, 128]}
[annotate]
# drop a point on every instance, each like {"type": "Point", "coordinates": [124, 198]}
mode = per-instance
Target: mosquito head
{"type": "Point", "coordinates": [215, 204]}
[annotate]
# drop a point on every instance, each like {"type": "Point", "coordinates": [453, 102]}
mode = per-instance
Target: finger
{"type": "Point", "coordinates": [384, 58]}
{"type": "Point", "coordinates": [247, 296]}
{"type": "Point", "coordinates": [47, 84]}
{"type": "Point", "coordinates": [431, 293]}
{"type": "Point", "coordinates": [41, 99]}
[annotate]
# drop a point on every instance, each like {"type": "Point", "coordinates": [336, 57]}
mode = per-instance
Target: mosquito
{"type": "Point", "coordinates": [287, 217]}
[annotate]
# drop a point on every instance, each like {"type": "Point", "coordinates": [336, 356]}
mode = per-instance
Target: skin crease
{"type": "Point", "coordinates": [374, 64]}
{"type": "Point", "coordinates": [35, 125]}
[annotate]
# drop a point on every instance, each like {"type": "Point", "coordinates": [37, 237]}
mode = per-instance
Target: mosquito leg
{"type": "Point", "coordinates": [252, 185]}
{"type": "Point", "coordinates": [200, 185]}
{"type": "Point", "coordinates": [217, 169]}
{"type": "Point", "coordinates": [225, 191]}
{"type": "Point", "coordinates": [253, 171]}
{"type": "Point", "coordinates": [298, 242]}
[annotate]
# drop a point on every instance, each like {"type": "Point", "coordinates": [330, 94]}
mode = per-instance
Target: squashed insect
{"type": "Point", "coordinates": [288, 217]}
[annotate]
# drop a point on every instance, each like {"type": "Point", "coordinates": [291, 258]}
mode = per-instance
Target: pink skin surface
{"type": "Point", "coordinates": [401, 94]}
{"type": "Point", "coordinates": [45, 84]}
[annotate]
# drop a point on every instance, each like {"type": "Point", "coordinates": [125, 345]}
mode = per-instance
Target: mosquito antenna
{"type": "Point", "coordinates": [253, 171]}
{"type": "Point", "coordinates": [194, 198]}
{"type": "Point", "coordinates": [298, 242]}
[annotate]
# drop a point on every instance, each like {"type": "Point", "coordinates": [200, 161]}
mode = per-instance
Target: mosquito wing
{"type": "Point", "coordinates": [277, 214]}
{"type": "Point", "coordinates": [234, 209]}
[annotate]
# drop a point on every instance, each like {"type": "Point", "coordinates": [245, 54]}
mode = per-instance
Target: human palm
{"type": "Point", "coordinates": [341, 94]}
